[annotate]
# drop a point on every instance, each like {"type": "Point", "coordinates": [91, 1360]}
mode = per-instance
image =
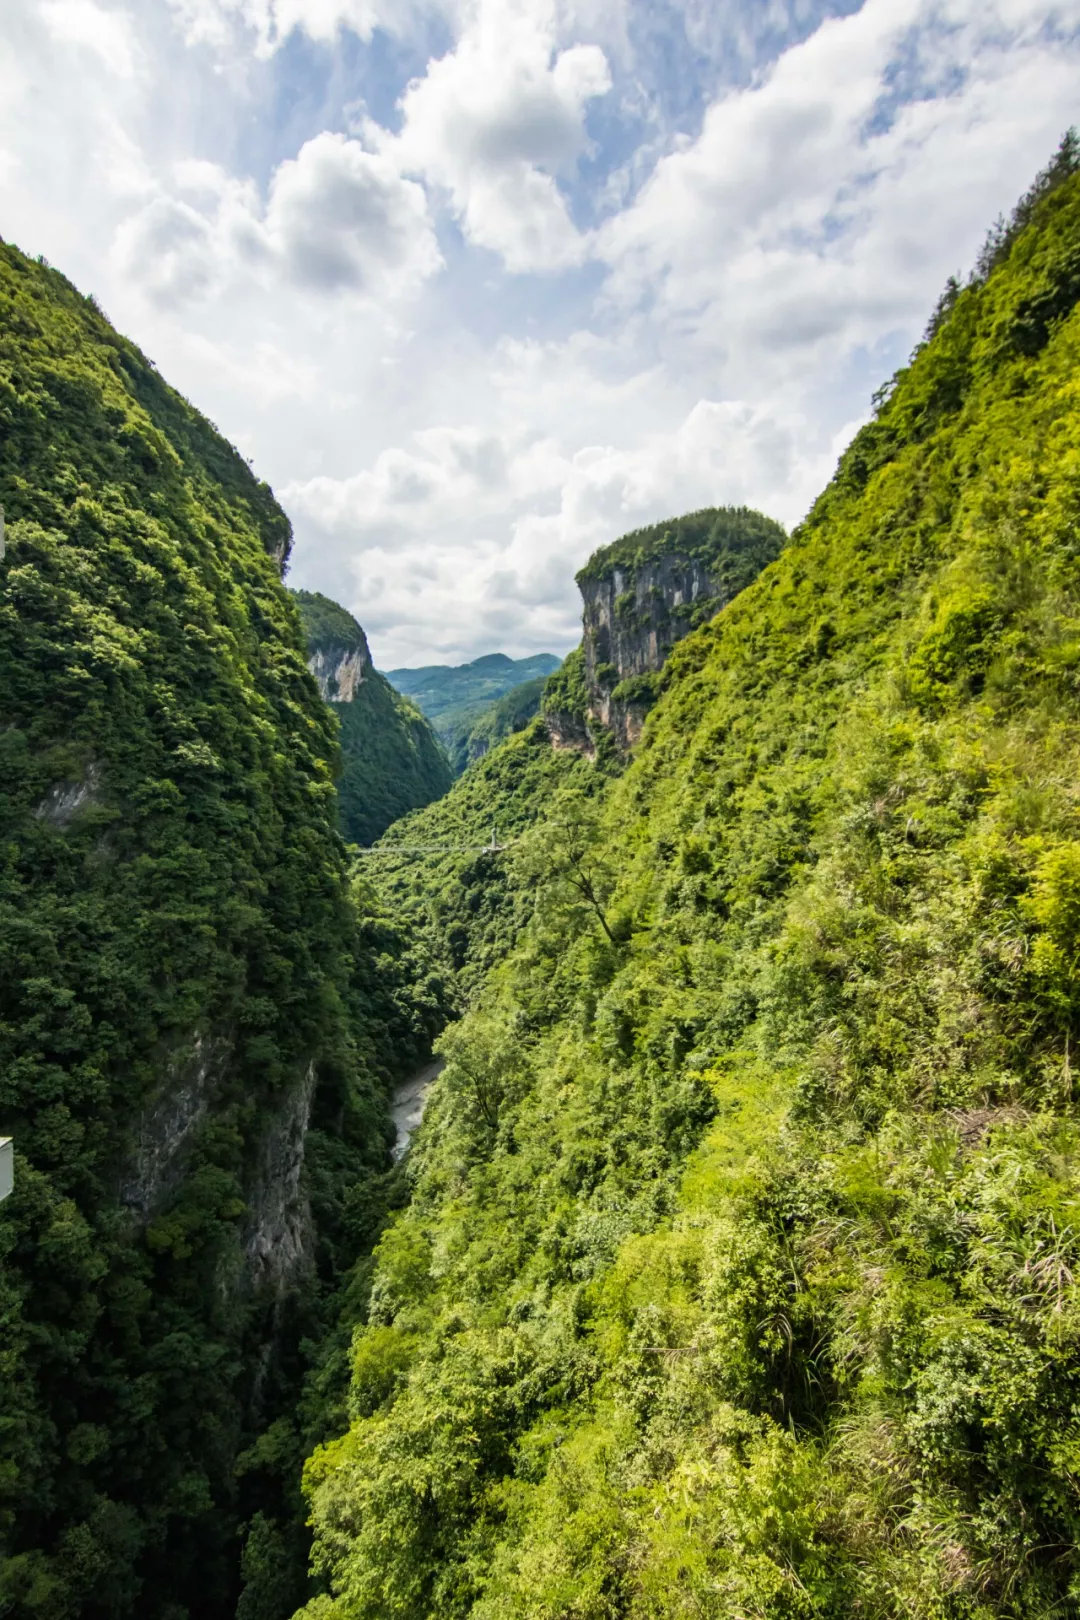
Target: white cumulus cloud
{"type": "Point", "coordinates": [337, 218]}
{"type": "Point", "coordinates": [683, 243]}
{"type": "Point", "coordinates": [495, 122]}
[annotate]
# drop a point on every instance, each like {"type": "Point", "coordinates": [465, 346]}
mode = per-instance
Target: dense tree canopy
{"type": "Point", "coordinates": [179, 967]}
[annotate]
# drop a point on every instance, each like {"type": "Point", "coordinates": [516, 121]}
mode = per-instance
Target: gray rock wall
{"type": "Point", "coordinates": [632, 619]}
{"type": "Point", "coordinates": [340, 671]}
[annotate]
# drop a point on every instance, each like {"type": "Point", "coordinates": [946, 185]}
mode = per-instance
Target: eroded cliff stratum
{"type": "Point", "coordinates": [640, 596]}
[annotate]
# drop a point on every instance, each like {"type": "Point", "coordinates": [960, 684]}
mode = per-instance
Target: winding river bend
{"type": "Point", "coordinates": [409, 1100]}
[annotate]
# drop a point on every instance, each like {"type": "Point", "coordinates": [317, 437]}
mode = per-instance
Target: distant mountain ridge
{"type": "Point", "coordinates": [437, 688]}
{"type": "Point", "coordinates": [460, 700]}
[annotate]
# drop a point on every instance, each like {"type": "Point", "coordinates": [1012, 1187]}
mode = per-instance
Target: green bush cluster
{"type": "Point", "coordinates": [565, 691]}
{"type": "Point", "coordinates": [741, 1274]}
{"type": "Point", "coordinates": [327, 624]}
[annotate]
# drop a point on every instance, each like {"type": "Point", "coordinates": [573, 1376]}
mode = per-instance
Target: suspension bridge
{"type": "Point", "coordinates": [493, 847]}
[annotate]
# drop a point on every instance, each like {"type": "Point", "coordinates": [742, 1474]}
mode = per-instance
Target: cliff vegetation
{"type": "Point", "coordinates": [740, 1273]}
{"type": "Point", "coordinates": [391, 760]}
{"type": "Point", "coordinates": [190, 1013]}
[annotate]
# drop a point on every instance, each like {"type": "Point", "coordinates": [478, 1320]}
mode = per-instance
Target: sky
{"type": "Point", "coordinates": [481, 285]}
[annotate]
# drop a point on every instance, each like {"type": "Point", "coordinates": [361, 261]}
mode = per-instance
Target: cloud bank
{"type": "Point", "coordinates": [481, 284]}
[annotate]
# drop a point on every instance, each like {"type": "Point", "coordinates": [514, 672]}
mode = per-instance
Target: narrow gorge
{"type": "Point", "coordinates": [666, 1208]}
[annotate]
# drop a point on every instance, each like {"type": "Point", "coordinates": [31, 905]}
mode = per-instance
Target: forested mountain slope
{"type": "Point", "coordinates": [184, 999]}
{"type": "Point", "coordinates": [456, 698]}
{"type": "Point", "coordinates": [478, 734]}
{"type": "Point", "coordinates": [452, 874]}
{"type": "Point", "coordinates": [741, 1271]}
{"type": "Point", "coordinates": [391, 761]}
{"type": "Point", "coordinates": [449, 872]}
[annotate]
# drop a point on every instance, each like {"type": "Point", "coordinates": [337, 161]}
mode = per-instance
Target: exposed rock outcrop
{"type": "Point", "coordinates": [340, 671]}
{"type": "Point", "coordinates": [280, 1231]}
{"type": "Point", "coordinates": [63, 802]}
{"type": "Point", "coordinates": [632, 619]}
{"type": "Point", "coordinates": [277, 1243]}
{"type": "Point", "coordinates": [569, 731]}
{"type": "Point", "coordinates": [641, 596]}
{"type": "Point", "coordinates": [168, 1122]}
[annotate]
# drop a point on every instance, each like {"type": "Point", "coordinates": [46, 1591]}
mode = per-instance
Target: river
{"type": "Point", "coordinates": [409, 1100]}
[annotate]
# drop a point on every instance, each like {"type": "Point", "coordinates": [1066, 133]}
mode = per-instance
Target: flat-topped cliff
{"type": "Point", "coordinates": [640, 596]}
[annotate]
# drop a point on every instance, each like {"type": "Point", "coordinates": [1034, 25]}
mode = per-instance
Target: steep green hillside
{"type": "Point", "coordinates": [449, 872]}
{"type": "Point", "coordinates": [178, 994]}
{"type": "Point", "coordinates": [391, 761]}
{"type": "Point", "coordinates": [474, 738]}
{"type": "Point", "coordinates": [455, 698]}
{"type": "Point", "coordinates": [742, 1270]}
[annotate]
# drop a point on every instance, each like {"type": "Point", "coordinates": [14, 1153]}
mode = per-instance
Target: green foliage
{"type": "Point", "coordinates": [176, 957]}
{"type": "Point", "coordinates": [740, 1275]}
{"type": "Point", "coordinates": [733, 542]}
{"type": "Point", "coordinates": [463, 901]}
{"type": "Point", "coordinates": [470, 738]}
{"type": "Point", "coordinates": [639, 691]}
{"type": "Point", "coordinates": [1002, 234]}
{"type": "Point", "coordinates": [391, 762]}
{"type": "Point", "coordinates": [565, 691]}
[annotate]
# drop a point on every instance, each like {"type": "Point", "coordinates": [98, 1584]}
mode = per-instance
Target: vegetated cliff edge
{"type": "Point", "coordinates": [741, 1271]}
{"type": "Point", "coordinates": [391, 760]}
{"type": "Point", "coordinates": [641, 595]}
{"type": "Point", "coordinates": [183, 1061]}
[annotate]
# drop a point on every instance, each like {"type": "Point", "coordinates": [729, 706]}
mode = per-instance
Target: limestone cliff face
{"type": "Point", "coordinates": [338, 653]}
{"type": "Point", "coordinates": [641, 596]}
{"type": "Point", "coordinates": [567, 730]}
{"type": "Point", "coordinates": [278, 1238]}
{"type": "Point", "coordinates": [631, 621]}
{"type": "Point", "coordinates": [168, 1121]}
{"type": "Point", "coordinates": [633, 618]}
{"type": "Point", "coordinates": [340, 670]}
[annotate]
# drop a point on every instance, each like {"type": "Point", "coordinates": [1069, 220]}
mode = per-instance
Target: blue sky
{"type": "Point", "coordinates": [479, 285]}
